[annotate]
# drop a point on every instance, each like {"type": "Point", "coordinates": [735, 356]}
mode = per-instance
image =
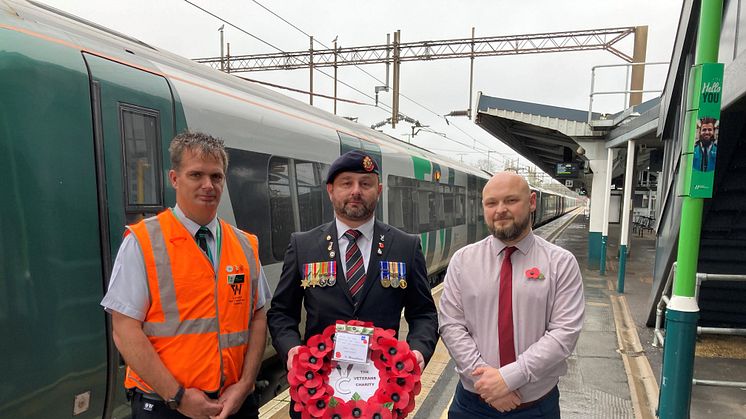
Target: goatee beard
{"type": "Point", "coordinates": [511, 232]}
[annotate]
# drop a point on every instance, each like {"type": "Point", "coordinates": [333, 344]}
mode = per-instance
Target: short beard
{"type": "Point", "coordinates": [511, 232]}
{"type": "Point", "coordinates": [360, 214]}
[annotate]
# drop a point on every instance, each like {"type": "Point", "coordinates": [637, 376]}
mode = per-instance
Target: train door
{"type": "Point", "coordinates": [133, 122]}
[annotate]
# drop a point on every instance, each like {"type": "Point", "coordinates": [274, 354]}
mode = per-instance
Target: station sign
{"type": "Point", "coordinates": [702, 127]}
{"type": "Point", "coordinates": [567, 170]}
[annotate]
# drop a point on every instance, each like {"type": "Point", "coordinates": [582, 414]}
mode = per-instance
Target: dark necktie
{"type": "Point", "coordinates": [704, 158]}
{"type": "Point", "coordinates": [354, 264]}
{"type": "Point", "coordinates": [505, 311]}
{"type": "Point", "coordinates": [201, 237]}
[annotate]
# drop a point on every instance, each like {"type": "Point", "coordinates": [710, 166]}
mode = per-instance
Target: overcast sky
{"type": "Point", "coordinates": [438, 87]}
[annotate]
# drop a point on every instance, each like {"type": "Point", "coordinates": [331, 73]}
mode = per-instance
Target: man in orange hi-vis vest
{"type": "Point", "coordinates": [187, 296]}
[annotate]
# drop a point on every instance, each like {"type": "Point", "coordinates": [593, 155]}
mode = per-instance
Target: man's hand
{"type": "Point", "coordinates": [291, 355]}
{"type": "Point", "coordinates": [196, 404]}
{"type": "Point", "coordinates": [490, 385]}
{"type": "Point", "coordinates": [420, 359]}
{"type": "Point", "coordinates": [233, 398]}
{"type": "Point", "coordinates": [507, 403]}
{"type": "Point", "coordinates": [493, 390]}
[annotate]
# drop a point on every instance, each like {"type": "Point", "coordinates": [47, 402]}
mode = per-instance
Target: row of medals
{"type": "Point", "coordinates": [387, 279]}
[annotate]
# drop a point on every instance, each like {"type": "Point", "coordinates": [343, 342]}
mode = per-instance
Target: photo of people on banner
{"type": "Point", "coordinates": [706, 145]}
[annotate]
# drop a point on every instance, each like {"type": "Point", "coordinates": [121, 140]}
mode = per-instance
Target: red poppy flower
{"type": "Point", "coordinates": [329, 332]}
{"type": "Point", "coordinates": [380, 335]}
{"type": "Point", "coordinates": [407, 410]}
{"type": "Point", "coordinates": [391, 347]}
{"type": "Point", "coordinates": [307, 360]}
{"type": "Point", "coordinates": [319, 345]}
{"type": "Point", "coordinates": [307, 377]}
{"type": "Point", "coordinates": [308, 395]}
{"type": "Point", "coordinates": [391, 393]}
{"type": "Point", "coordinates": [404, 383]}
{"type": "Point", "coordinates": [534, 273]}
{"type": "Point", "coordinates": [357, 408]}
{"type": "Point", "coordinates": [403, 364]}
{"type": "Point", "coordinates": [377, 411]}
{"type": "Point", "coordinates": [337, 409]}
{"type": "Point", "coordinates": [317, 407]}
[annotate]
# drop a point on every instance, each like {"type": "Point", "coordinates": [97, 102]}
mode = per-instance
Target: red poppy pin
{"type": "Point", "coordinates": [534, 273]}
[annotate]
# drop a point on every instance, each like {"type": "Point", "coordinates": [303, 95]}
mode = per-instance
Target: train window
{"type": "Point", "coordinates": [449, 209]}
{"type": "Point", "coordinates": [459, 202]}
{"type": "Point", "coordinates": [402, 203]}
{"type": "Point", "coordinates": [280, 204]}
{"type": "Point", "coordinates": [141, 142]}
{"type": "Point", "coordinates": [310, 193]}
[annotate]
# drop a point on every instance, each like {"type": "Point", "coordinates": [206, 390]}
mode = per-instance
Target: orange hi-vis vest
{"type": "Point", "coordinates": [198, 320]}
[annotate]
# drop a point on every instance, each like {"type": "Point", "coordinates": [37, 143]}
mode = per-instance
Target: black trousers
{"type": "Point", "coordinates": [144, 407]}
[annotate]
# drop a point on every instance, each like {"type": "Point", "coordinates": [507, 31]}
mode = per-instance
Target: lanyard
{"type": "Point", "coordinates": [218, 241]}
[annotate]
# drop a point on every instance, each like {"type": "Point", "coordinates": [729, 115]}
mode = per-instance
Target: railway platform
{"type": "Point", "coordinates": [614, 370]}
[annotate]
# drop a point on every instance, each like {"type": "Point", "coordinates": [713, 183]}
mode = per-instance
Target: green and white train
{"type": "Point", "coordinates": [86, 116]}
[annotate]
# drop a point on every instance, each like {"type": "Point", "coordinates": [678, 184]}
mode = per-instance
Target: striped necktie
{"type": "Point", "coordinates": [354, 264]}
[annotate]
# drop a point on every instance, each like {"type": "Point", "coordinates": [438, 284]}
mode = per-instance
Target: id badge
{"type": "Point", "coordinates": [350, 347]}
{"type": "Point", "coordinates": [235, 279]}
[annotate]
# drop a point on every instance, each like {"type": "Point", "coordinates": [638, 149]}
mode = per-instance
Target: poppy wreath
{"type": "Point", "coordinates": [398, 370]}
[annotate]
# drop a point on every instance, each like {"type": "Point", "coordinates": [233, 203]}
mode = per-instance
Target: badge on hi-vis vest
{"type": "Point", "coordinates": [236, 279]}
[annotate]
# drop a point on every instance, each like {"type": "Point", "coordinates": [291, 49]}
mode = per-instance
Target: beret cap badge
{"type": "Point", "coordinates": [368, 164]}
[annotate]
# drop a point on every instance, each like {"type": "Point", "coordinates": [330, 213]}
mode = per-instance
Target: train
{"type": "Point", "coordinates": [86, 116]}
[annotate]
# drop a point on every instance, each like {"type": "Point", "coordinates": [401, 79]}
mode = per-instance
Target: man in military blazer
{"type": "Point", "coordinates": [354, 267]}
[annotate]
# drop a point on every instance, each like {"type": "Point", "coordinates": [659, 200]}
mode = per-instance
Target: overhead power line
{"type": "Point", "coordinates": [582, 40]}
{"type": "Point", "coordinates": [277, 48]}
{"type": "Point", "coordinates": [356, 66]}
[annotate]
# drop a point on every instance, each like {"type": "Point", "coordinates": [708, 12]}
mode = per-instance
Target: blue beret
{"type": "Point", "coordinates": [352, 161]}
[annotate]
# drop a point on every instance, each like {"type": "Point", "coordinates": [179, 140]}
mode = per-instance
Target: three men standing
{"type": "Point", "coordinates": [511, 312]}
{"type": "Point", "coordinates": [187, 294]}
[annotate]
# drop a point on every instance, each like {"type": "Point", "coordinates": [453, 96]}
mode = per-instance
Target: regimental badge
{"type": "Point", "coordinates": [368, 164]}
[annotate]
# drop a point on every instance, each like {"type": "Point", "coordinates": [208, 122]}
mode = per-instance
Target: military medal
{"type": "Point", "coordinates": [322, 274]}
{"type": "Point", "coordinates": [332, 273]}
{"type": "Point", "coordinates": [315, 275]}
{"type": "Point", "coordinates": [385, 281]}
{"type": "Point", "coordinates": [403, 274]}
{"type": "Point", "coordinates": [394, 274]}
{"type": "Point", "coordinates": [306, 274]}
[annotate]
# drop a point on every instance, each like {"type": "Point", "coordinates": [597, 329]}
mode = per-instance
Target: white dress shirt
{"type": "Point", "coordinates": [364, 242]}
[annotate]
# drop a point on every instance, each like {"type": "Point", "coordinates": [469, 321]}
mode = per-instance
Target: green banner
{"type": "Point", "coordinates": [702, 125]}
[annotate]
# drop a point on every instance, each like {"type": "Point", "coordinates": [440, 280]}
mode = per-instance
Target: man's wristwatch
{"type": "Point", "coordinates": [174, 402]}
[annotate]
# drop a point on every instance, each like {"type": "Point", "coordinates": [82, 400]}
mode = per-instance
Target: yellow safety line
{"type": "Point", "coordinates": [643, 387]}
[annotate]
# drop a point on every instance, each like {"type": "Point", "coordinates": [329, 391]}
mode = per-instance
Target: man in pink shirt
{"type": "Point", "coordinates": [511, 312]}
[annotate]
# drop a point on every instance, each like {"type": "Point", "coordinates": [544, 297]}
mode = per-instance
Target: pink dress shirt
{"type": "Point", "coordinates": [547, 313]}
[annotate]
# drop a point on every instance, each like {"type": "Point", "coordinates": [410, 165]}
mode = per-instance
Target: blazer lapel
{"type": "Point", "coordinates": [381, 240]}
